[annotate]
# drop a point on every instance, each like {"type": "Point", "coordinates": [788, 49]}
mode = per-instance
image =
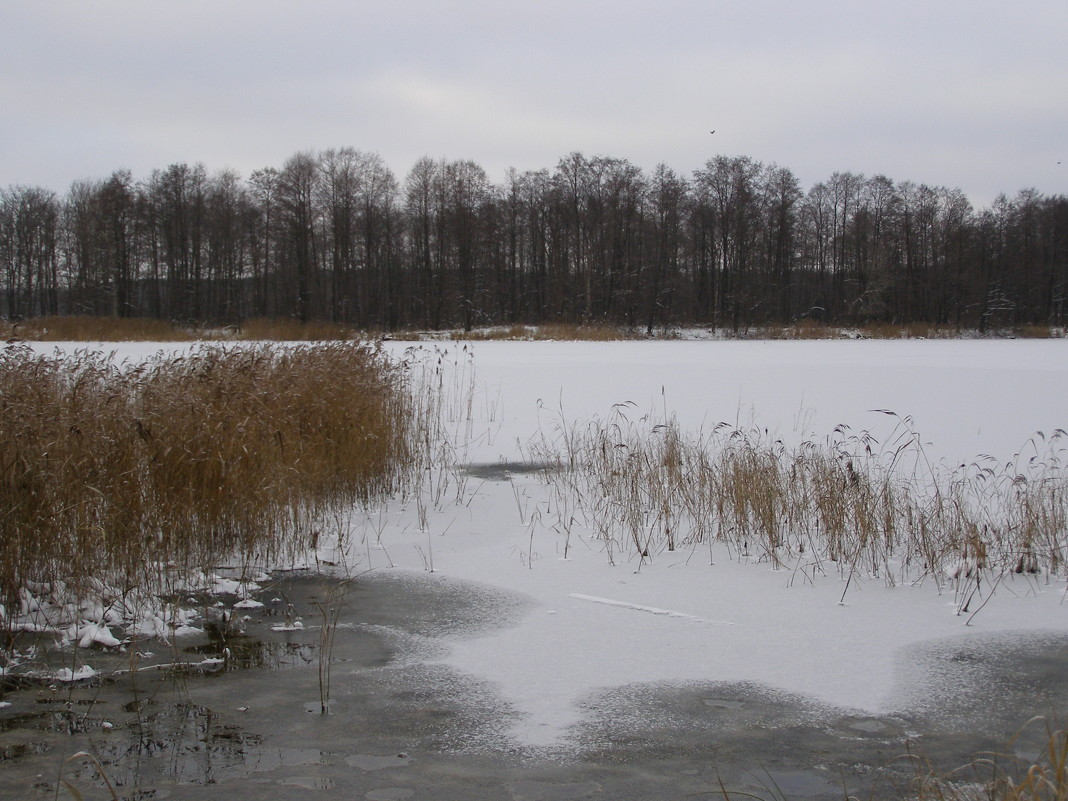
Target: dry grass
{"type": "Point", "coordinates": [843, 505]}
{"type": "Point", "coordinates": [589, 333]}
{"type": "Point", "coordinates": [284, 329]}
{"type": "Point", "coordinates": [277, 329]}
{"type": "Point", "coordinates": [287, 329]}
{"type": "Point", "coordinates": [810, 329]}
{"type": "Point", "coordinates": [806, 329]}
{"type": "Point", "coordinates": [106, 473]}
{"type": "Point", "coordinates": [906, 331]}
{"type": "Point", "coordinates": [1003, 778]}
{"type": "Point", "coordinates": [1038, 332]}
{"type": "Point", "coordinates": [95, 329]}
{"type": "Point", "coordinates": [933, 331]}
{"type": "Point", "coordinates": [561, 332]}
{"type": "Point", "coordinates": [141, 329]}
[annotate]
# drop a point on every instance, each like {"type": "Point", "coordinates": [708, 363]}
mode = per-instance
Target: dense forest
{"type": "Point", "coordinates": [336, 236]}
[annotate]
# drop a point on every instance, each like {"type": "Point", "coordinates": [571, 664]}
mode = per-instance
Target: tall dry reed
{"type": "Point", "coordinates": [109, 471]}
{"type": "Point", "coordinates": [843, 504]}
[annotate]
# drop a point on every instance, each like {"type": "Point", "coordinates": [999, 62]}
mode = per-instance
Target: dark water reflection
{"type": "Point", "coordinates": [246, 724]}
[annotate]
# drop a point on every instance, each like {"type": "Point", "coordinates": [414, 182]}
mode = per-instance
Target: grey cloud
{"type": "Point", "coordinates": [964, 94]}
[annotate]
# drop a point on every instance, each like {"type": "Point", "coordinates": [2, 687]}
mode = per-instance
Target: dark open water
{"type": "Point", "coordinates": [402, 727]}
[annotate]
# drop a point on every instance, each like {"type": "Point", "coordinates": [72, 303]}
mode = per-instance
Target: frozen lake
{"type": "Point", "coordinates": [965, 397]}
{"type": "Point", "coordinates": [544, 677]}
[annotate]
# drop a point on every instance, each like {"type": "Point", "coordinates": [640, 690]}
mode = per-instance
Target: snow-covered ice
{"type": "Point", "coordinates": [596, 625]}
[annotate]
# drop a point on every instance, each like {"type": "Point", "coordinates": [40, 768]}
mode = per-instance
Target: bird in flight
{"type": "Point", "coordinates": [712, 131]}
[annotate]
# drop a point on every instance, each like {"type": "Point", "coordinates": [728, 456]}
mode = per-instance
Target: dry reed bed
{"type": "Point", "coordinates": [85, 328]}
{"type": "Point", "coordinates": [844, 504]}
{"type": "Point", "coordinates": [107, 472]}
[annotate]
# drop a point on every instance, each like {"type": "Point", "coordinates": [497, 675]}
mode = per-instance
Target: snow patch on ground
{"type": "Point", "coordinates": [81, 674]}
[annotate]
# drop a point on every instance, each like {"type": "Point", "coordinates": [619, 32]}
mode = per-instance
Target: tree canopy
{"type": "Point", "coordinates": [336, 236]}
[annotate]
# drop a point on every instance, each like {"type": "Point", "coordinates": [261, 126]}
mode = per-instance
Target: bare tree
{"type": "Point", "coordinates": [299, 245]}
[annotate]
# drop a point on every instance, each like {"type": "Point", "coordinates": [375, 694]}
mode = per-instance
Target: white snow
{"type": "Point", "coordinates": [966, 397]}
{"type": "Point", "coordinates": [295, 626]}
{"type": "Point", "coordinates": [597, 626]}
{"type": "Point", "coordinates": [702, 614]}
{"type": "Point", "coordinates": [68, 675]}
{"type": "Point", "coordinates": [89, 634]}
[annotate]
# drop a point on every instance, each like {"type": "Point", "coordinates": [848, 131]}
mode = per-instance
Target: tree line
{"type": "Point", "coordinates": [335, 236]}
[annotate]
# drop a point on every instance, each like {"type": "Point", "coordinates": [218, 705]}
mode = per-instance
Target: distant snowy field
{"type": "Point", "coordinates": [697, 615]}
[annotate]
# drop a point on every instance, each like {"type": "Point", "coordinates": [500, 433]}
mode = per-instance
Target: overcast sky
{"type": "Point", "coordinates": [962, 93]}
